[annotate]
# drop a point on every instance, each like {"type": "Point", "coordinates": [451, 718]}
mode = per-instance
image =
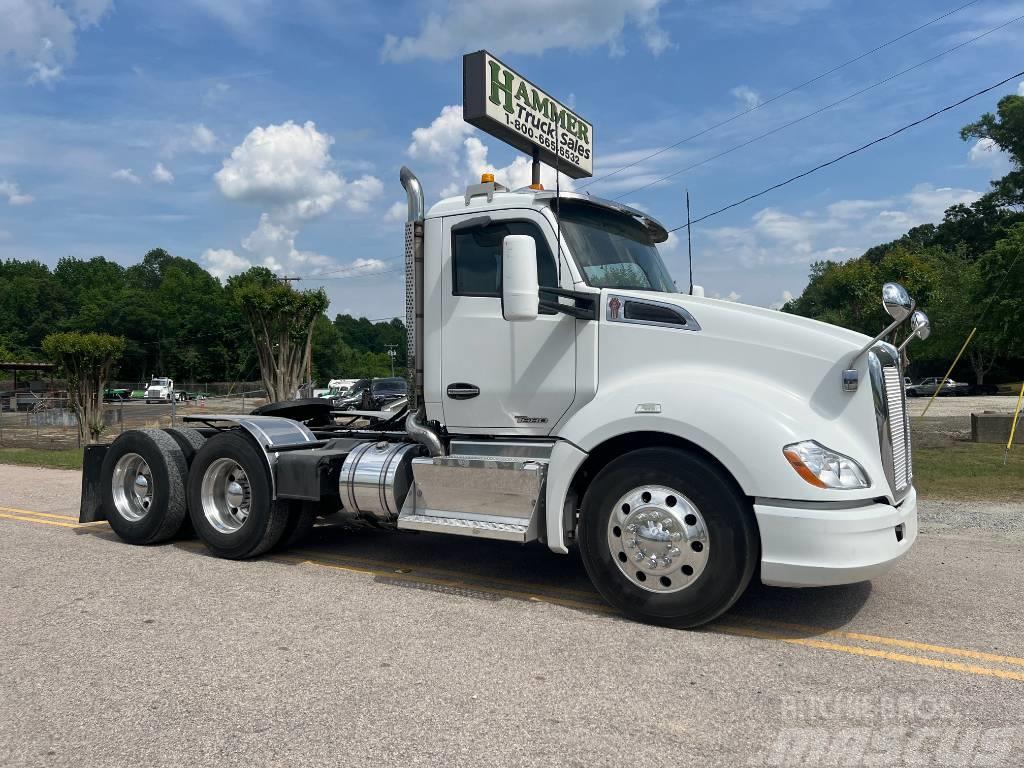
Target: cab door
{"type": "Point", "coordinates": [497, 376]}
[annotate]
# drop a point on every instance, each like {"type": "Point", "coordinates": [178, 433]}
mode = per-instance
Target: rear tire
{"type": "Point", "coordinates": [190, 441]}
{"type": "Point", "coordinates": [143, 486]}
{"type": "Point", "coordinates": [301, 518]}
{"type": "Point", "coordinates": [229, 498]}
{"type": "Point", "coordinates": [667, 538]}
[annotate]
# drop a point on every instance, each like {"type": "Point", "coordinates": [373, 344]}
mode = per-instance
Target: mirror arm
{"type": "Point", "coordinates": [889, 329]}
{"type": "Point", "coordinates": [584, 306]}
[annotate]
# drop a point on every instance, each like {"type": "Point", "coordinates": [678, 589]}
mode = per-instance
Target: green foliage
{"type": "Point", "coordinates": [1006, 129]}
{"type": "Point", "coordinates": [85, 360]}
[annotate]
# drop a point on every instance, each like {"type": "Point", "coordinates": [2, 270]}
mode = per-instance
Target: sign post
{"type": "Point", "coordinates": [501, 102]}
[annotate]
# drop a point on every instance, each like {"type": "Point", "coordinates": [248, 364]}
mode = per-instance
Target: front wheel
{"type": "Point", "coordinates": [667, 538]}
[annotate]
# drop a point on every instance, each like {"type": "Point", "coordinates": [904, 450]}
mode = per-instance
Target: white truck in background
{"type": "Point", "coordinates": [564, 392]}
{"type": "Point", "coordinates": [161, 390]}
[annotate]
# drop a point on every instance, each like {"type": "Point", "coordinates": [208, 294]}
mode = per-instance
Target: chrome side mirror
{"type": "Point", "coordinates": [897, 301]}
{"type": "Point", "coordinates": [920, 328]}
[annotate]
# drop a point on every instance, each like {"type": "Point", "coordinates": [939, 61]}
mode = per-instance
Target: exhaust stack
{"type": "Point", "coordinates": [416, 423]}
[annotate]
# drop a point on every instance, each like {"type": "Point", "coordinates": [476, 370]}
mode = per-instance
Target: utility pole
{"type": "Point", "coordinates": [288, 280]}
{"type": "Point", "coordinates": [392, 353]}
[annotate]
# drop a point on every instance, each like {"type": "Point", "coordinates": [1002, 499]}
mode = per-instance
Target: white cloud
{"type": "Point", "coordinates": [288, 168]}
{"type": "Point", "coordinates": [986, 153]}
{"type": "Point", "coordinates": [1020, 88]}
{"type": "Point", "coordinates": [203, 140]}
{"type": "Point", "coordinates": [191, 138]}
{"type": "Point", "coordinates": [452, 144]}
{"type": "Point", "coordinates": [731, 296]}
{"type": "Point", "coordinates": [747, 96]}
{"type": "Point", "coordinates": [787, 296]}
{"type": "Point", "coordinates": [161, 175]}
{"type": "Point", "coordinates": [13, 193]}
{"type": "Point", "coordinates": [126, 174]}
{"type": "Point", "coordinates": [530, 26]}
{"type": "Point", "coordinates": [397, 213]}
{"type": "Point", "coordinates": [840, 231]}
{"type": "Point", "coordinates": [222, 262]}
{"type": "Point", "coordinates": [39, 35]}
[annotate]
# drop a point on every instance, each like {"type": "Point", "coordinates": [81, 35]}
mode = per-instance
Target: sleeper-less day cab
{"type": "Point", "coordinates": [562, 390]}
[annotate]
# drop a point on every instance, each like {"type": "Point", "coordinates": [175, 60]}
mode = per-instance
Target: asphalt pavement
{"type": "Point", "coordinates": [370, 647]}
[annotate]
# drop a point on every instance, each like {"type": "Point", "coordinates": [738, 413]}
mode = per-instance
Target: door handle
{"type": "Point", "coordinates": [462, 391]}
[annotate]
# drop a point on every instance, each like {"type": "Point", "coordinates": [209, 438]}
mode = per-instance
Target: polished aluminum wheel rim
{"type": "Point", "coordinates": [658, 539]}
{"type": "Point", "coordinates": [226, 495]}
{"type": "Point", "coordinates": [133, 487]}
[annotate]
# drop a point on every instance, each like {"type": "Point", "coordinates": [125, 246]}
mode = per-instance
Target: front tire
{"type": "Point", "coordinates": [229, 498]}
{"type": "Point", "coordinates": [667, 538]}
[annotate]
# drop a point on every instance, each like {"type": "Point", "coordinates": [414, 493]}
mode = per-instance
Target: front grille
{"type": "Point", "coordinates": [899, 427]}
{"type": "Point", "coordinates": [892, 418]}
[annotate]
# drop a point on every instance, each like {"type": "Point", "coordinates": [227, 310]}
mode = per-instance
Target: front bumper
{"type": "Point", "coordinates": [818, 547]}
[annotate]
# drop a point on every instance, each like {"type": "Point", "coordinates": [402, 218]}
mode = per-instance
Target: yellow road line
{"type": "Point", "coordinates": [37, 520]}
{"type": "Point", "coordinates": [15, 511]}
{"type": "Point", "coordinates": [882, 640]}
{"type": "Point", "coordinates": [955, 666]}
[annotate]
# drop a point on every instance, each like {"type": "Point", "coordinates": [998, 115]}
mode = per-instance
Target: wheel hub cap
{"type": "Point", "coordinates": [226, 495]}
{"type": "Point", "coordinates": [658, 538]}
{"type": "Point", "coordinates": [132, 486]}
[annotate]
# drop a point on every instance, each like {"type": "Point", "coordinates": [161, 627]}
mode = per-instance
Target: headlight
{"type": "Point", "coordinates": [824, 468]}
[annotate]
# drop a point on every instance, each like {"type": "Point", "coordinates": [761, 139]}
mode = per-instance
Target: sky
{"type": "Point", "coordinates": [242, 132]}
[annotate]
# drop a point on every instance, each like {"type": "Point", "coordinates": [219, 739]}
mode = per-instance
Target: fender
{"type": "Point", "coordinates": [742, 422]}
{"type": "Point", "coordinates": [268, 432]}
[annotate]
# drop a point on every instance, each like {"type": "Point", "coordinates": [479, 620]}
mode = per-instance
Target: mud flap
{"type": "Point", "coordinates": [92, 497]}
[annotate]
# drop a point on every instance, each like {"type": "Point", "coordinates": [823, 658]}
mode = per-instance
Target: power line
{"type": "Point", "coordinates": [818, 111]}
{"type": "Point", "coordinates": [353, 275]}
{"type": "Point", "coordinates": [357, 267]}
{"type": "Point", "coordinates": [851, 152]}
{"type": "Point", "coordinates": [775, 98]}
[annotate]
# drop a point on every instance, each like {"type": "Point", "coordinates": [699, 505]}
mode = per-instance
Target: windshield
{"type": "Point", "coordinates": [159, 382]}
{"type": "Point", "coordinates": [613, 250]}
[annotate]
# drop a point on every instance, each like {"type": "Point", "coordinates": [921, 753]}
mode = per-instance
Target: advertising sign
{"type": "Point", "coordinates": [503, 103]}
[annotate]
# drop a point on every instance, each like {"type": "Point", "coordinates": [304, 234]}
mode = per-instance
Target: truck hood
{"type": "Point", "coordinates": [763, 347]}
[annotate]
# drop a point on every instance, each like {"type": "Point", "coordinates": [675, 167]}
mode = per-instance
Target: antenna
{"type": "Point", "coordinates": [558, 201]}
{"type": "Point", "coordinates": [689, 239]}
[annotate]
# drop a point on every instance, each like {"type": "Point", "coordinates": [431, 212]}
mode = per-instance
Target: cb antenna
{"type": "Point", "coordinates": [689, 239]}
{"type": "Point", "coordinates": [558, 203]}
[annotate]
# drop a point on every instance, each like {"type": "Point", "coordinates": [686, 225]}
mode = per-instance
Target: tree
{"type": "Point", "coordinates": [281, 321]}
{"type": "Point", "coordinates": [86, 359]}
{"type": "Point", "coordinates": [1006, 130]}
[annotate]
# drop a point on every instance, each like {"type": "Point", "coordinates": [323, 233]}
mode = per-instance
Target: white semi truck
{"type": "Point", "coordinates": [161, 390]}
{"type": "Point", "coordinates": [563, 391]}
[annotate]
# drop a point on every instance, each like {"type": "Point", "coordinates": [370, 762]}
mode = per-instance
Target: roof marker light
{"type": "Point", "coordinates": [486, 177]}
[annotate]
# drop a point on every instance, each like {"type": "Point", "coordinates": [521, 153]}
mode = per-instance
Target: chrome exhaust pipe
{"type": "Point", "coordinates": [416, 422]}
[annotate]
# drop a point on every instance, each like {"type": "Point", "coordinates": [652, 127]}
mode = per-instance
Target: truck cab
{"type": "Point", "coordinates": [161, 390]}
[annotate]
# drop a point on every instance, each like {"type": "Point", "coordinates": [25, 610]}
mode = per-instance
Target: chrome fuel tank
{"type": "Point", "coordinates": [376, 478]}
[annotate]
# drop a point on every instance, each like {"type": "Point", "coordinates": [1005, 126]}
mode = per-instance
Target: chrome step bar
{"type": "Point", "coordinates": [485, 496]}
{"type": "Point", "coordinates": [484, 529]}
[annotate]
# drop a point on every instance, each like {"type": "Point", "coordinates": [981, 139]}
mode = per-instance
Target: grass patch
{"type": "Point", "coordinates": [64, 458]}
{"type": "Point", "coordinates": [970, 471]}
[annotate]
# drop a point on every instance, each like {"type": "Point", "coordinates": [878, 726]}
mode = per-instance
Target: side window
{"type": "Point", "coordinates": [476, 257]}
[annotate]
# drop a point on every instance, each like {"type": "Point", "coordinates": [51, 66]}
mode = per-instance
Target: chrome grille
{"type": "Point", "coordinates": [898, 427]}
{"type": "Point", "coordinates": [892, 418]}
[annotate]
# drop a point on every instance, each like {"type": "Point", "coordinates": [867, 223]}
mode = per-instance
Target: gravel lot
{"type": "Point", "coordinates": [365, 646]}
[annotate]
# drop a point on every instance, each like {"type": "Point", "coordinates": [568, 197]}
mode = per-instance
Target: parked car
{"type": "Point", "coordinates": [373, 394]}
{"type": "Point", "coordinates": [958, 388]}
{"type": "Point", "coordinates": [927, 387]}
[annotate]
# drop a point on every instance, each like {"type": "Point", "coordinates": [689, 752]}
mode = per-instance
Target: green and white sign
{"type": "Point", "coordinates": [506, 105]}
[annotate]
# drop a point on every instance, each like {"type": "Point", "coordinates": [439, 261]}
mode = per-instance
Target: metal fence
{"type": "Point", "coordinates": [32, 420]}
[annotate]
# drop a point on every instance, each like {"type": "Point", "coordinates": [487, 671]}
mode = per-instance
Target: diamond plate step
{"type": "Point", "coordinates": [484, 529]}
